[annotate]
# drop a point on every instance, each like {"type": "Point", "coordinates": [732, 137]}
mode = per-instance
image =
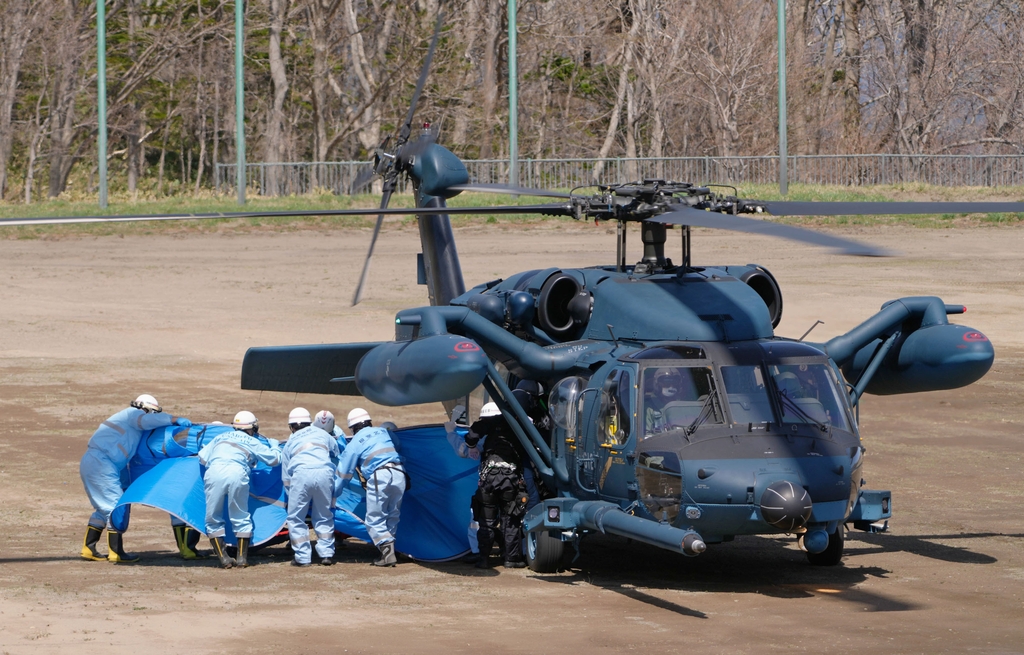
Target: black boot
{"type": "Point", "coordinates": [221, 551]}
{"type": "Point", "coordinates": [243, 552]}
{"type": "Point", "coordinates": [187, 539]}
{"type": "Point", "coordinates": [485, 540]}
{"type": "Point", "coordinates": [387, 555]}
{"type": "Point", "coordinates": [92, 537]}
{"type": "Point", "coordinates": [115, 547]}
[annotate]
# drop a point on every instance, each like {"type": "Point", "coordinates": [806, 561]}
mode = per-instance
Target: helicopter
{"type": "Point", "coordinates": [678, 417]}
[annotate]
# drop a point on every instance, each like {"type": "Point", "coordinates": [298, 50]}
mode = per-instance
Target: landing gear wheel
{"type": "Point", "coordinates": [544, 551]}
{"type": "Point", "coordinates": [833, 553]}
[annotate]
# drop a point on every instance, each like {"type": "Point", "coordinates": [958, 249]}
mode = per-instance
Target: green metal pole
{"type": "Point", "coordinates": [101, 96]}
{"type": "Point", "coordinates": [513, 98]}
{"type": "Point", "coordinates": [240, 99]}
{"type": "Point", "coordinates": [783, 177]}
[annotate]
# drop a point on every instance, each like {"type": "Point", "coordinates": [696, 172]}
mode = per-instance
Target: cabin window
{"type": "Point", "coordinates": [660, 482]}
{"type": "Point", "coordinates": [678, 397]}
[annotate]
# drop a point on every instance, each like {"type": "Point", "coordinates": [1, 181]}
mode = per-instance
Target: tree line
{"type": "Point", "coordinates": [328, 79]}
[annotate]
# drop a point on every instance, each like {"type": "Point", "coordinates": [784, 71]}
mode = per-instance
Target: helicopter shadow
{"type": "Point", "coordinates": [755, 565]}
{"type": "Point", "coordinates": [924, 545]}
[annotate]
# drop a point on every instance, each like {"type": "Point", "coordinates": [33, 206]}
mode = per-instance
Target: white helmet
{"type": "Point", "coordinates": [299, 415]}
{"type": "Point", "coordinates": [147, 403]}
{"type": "Point", "coordinates": [325, 421]}
{"type": "Point", "coordinates": [489, 410]}
{"type": "Point", "coordinates": [245, 420]}
{"type": "Point", "coordinates": [357, 416]}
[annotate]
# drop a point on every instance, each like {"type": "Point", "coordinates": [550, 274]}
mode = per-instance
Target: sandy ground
{"type": "Point", "coordinates": [88, 323]}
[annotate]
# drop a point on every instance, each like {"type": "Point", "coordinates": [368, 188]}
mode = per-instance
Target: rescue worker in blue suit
{"type": "Point", "coordinates": [110, 448]}
{"type": "Point", "coordinates": [228, 460]}
{"type": "Point", "coordinates": [373, 453]}
{"type": "Point", "coordinates": [308, 461]}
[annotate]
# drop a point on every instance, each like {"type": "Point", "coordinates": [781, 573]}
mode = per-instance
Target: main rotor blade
{"type": "Point", "coordinates": [384, 200]}
{"type": "Point", "coordinates": [796, 208]}
{"type": "Point", "coordinates": [548, 210]}
{"type": "Point", "coordinates": [510, 190]}
{"type": "Point", "coordinates": [407, 127]}
{"type": "Point", "coordinates": [365, 175]}
{"type": "Point", "coordinates": [686, 215]}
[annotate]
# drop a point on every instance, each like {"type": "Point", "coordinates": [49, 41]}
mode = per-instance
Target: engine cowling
{"type": "Point", "coordinates": [763, 283]}
{"type": "Point", "coordinates": [563, 307]}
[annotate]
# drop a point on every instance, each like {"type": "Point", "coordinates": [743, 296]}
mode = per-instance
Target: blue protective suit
{"type": "Point", "coordinates": [110, 448]}
{"type": "Point", "coordinates": [308, 462]}
{"type": "Point", "coordinates": [373, 453]}
{"type": "Point", "coordinates": [228, 460]}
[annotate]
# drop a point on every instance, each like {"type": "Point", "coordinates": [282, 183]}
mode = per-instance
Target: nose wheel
{"type": "Point", "coordinates": [544, 551]}
{"type": "Point", "coordinates": [833, 553]}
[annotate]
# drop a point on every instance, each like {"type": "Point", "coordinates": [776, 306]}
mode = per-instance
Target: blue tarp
{"type": "Point", "coordinates": [435, 508]}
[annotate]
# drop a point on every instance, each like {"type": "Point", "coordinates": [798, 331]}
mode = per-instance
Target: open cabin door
{"type": "Point", "coordinates": [607, 435]}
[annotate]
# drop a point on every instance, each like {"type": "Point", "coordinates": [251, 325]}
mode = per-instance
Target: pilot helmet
{"type": "Point", "coordinates": [667, 382]}
{"type": "Point", "coordinates": [788, 384]}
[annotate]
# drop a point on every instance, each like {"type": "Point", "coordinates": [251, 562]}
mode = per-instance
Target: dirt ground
{"type": "Point", "coordinates": [88, 323]}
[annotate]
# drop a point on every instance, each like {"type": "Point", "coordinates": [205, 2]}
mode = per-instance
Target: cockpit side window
{"type": "Point", "coordinates": [616, 409]}
{"type": "Point", "coordinates": [678, 397]}
{"type": "Point", "coordinates": [809, 393]}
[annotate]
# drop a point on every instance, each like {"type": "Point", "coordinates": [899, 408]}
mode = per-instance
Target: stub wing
{"type": "Point", "coordinates": [321, 368]}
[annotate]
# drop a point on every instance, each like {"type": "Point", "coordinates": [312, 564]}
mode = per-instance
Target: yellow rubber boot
{"type": "Point", "coordinates": [116, 552]}
{"type": "Point", "coordinates": [187, 538]}
{"type": "Point", "coordinates": [92, 537]}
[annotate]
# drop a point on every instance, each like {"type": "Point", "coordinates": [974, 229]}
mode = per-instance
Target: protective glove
{"type": "Point", "coordinates": [184, 422]}
{"type": "Point", "coordinates": [449, 426]}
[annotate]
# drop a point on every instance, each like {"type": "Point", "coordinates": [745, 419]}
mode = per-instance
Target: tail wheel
{"type": "Point", "coordinates": [833, 553]}
{"type": "Point", "coordinates": [544, 551]}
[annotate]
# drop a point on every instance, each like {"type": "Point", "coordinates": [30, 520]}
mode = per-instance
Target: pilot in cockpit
{"type": "Point", "coordinates": [670, 388]}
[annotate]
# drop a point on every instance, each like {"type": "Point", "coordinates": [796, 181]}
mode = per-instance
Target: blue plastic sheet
{"type": "Point", "coordinates": [435, 509]}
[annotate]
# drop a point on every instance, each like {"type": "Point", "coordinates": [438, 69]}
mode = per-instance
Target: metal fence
{"type": "Point", "coordinates": [297, 178]}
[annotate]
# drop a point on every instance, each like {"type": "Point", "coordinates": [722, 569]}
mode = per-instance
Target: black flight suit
{"type": "Point", "coordinates": [500, 501]}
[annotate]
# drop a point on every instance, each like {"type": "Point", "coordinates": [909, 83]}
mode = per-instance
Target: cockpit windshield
{"type": "Point", "coordinates": [748, 394]}
{"type": "Point", "coordinates": [809, 393]}
{"type": "Point", "coordinates": [678, 397]}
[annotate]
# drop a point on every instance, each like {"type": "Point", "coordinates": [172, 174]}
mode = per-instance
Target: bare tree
{"type": "Point", "coordinates": [734, 73]}
{"type": "Point", "coordinates": [18, 21]}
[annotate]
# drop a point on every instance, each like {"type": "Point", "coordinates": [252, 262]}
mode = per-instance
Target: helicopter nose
{"type": "Point", "coordinates": [785, 505]}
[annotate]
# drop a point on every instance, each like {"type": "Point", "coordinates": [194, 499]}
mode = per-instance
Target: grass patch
{"type": "Point", "coordinates": [214, 204]}
{"type": "Point", "coordinates": [894, 193]}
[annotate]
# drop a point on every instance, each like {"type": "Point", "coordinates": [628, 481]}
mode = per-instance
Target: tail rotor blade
{"type": "Point", "coordinates": [373, 241]}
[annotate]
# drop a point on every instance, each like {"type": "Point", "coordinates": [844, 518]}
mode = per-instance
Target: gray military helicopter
{"type": "Point", "coordinates": [678, 417]}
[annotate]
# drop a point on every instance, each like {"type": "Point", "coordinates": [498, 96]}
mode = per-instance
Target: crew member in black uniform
{"type": "Point", "coordinates": [530, 395]}
{"type": "Point", "coordinates": [500, 501]}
